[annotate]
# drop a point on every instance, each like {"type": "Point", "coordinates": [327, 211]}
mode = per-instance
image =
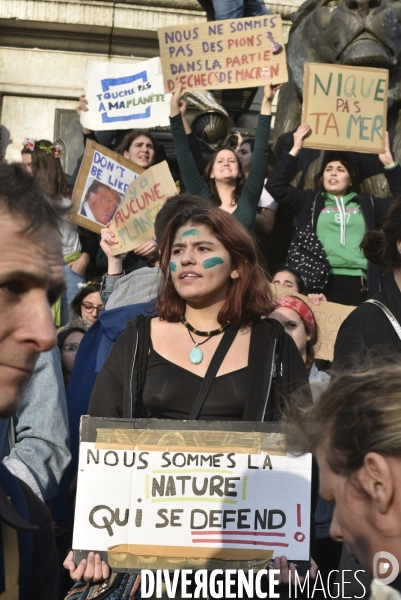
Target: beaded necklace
{"type": "Point", "coordinates": [196, 354]}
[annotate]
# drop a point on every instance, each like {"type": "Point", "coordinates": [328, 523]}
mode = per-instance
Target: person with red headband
{"type": "Point", "coordinates": [299, 322]}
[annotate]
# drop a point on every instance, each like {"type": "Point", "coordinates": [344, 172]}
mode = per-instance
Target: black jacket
{"type": "Point", "coordinates": [368, 329]}
{"type": "Point", "coordinates": [301, 201]}
{"type": "Point", "coordinates": [118, 389]}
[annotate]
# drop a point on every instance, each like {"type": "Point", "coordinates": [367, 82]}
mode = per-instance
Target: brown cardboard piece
{"type": "Point", "coordinates": [191, 441]}
{"type": "Point", "coordinates": [133, 221]}
{"type": "Point", "coordinates": [136, 556]}
{"type": "Point", "coordinates": [329, 317]}
{"type": "Point", "coordinates": [346, 107]}
{"type": "Point", "coordinates": [236, 53]}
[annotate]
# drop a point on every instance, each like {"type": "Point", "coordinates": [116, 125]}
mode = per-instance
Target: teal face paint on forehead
{"type": "Point", "coordinates": [173, 267]}
{"type": "Point", "coordinates": [212, 262]}
{"type": "Point", "coordinates": [190, 232]}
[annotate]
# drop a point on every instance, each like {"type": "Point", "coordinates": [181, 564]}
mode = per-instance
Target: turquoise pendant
{"type": "Point", "coordinates": [196, 355]}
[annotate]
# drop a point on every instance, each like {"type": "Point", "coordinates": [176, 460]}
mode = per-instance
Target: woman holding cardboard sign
{"type": "Point", "coordinates": [224, 181]}
{"type": "Point", "coordinates": [212, 282]}
{"type": "Point", "coordinates": [208, 354]}
{"type": "Point", "coordinates": [332, 222]}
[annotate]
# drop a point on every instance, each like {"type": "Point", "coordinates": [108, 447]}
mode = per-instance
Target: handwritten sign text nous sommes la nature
{"type": "Point", "coordinates": [346, 107]}
{"type": "Point", "coordinates": [223, 54]}
{"type": "Point", "coordinates": [217, 494]}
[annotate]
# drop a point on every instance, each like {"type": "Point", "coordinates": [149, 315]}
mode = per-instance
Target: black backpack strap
{"type": "Point", "coordinates": [265, 346]}
{"type": "Point", "coordinates": [140, 353]}
{"type": "Point", "coordinates": [218, 357]}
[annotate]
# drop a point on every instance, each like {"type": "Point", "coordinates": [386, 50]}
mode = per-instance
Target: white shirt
{"type": "Point", "coordinates": [267, 200]}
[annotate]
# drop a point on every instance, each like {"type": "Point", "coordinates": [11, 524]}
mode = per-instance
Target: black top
{"type": "Point", "coordinates": [368, 329]}
{"type": "Point", "coordinates": [118, 391]}
{"type": "Point", "coordinates": [169, 392]}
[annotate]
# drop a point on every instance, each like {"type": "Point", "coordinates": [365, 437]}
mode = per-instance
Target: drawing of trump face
{"type": "Point", "coordinates": [102, 201]}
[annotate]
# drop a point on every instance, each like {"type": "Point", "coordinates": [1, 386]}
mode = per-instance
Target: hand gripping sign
{"type": "Point", "coordinates": [133, 221]}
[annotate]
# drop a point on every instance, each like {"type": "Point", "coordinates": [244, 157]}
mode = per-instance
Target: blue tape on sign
{"type": "Point", "coordinates": [107, 83]}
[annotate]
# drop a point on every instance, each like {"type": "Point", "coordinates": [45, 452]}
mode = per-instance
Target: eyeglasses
{"type": "Point", "coordinates": [89, 308]}
{"type": "Point", "coordinates": [73, 347]}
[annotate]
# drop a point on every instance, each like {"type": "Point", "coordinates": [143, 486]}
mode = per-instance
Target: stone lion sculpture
{"type": "Point", "coordinates": [364, 33]}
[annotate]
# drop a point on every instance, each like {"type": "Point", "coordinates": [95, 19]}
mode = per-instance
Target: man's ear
{"type": "Point", "coordinates": [375, 477]}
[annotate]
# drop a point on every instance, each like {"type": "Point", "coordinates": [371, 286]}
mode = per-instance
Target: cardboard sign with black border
{"type": "Point", "coordinates": [103, 178]}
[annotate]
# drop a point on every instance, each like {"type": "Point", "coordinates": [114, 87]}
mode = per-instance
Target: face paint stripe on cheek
{"type": "Point", "coordinates": [190, 232]}
{"type": "Point", "coordinates": [212, 262]}
{"type": "Point", "coordinates": [173, 267]}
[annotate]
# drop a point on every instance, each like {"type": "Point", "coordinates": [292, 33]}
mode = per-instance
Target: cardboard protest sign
{"type": "Point", "coordinates": [125, 96]}
{"type": "Point", "coordinates": [329, 317]}
{"type": "Point", "coordinates": [236, 53]}
{"type": "Point", "coordinates": [190, 492]}
{"type": "Point", "coordinates": [346, 107]}
{"type": "Point", "coordinates": [133, 222]}
{"type": "Point", "coordinates": [102, 181]}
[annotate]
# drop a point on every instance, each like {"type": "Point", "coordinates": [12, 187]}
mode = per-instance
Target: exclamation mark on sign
{"type": "Point", "coordinates": [299, 536]}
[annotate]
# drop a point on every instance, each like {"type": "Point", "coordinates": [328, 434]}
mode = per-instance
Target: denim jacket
{"type": "Point", "coordinates": [41, 451]}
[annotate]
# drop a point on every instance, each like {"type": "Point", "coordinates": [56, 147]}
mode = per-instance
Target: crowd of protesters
{"type": "Point", "coordinates": [212, 339]}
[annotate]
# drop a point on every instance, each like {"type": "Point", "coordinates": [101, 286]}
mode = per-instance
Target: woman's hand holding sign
{"type": "Point", "coordinates": [386, 157]}
{"type": "Point", "coordinates": [299, 136]}
{"type": "Point", "coordinates": [115, 263]}
{"type": "Point", "coordinates": [92, 569]}
{"type": "Point", "coordinates": [107, 240]}
{"type": "Point", "coordinates": [176, 101]}
{"type": "Point", "coordinates": [147, 248]}
{"type": "Point", "coordinates": [287, 571]}
{"type": "Point", "coordinates": [83, 107]}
